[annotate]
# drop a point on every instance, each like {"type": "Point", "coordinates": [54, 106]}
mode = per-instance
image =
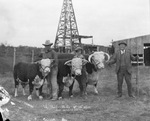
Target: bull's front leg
{"type": "Point", "coordinates": [95, 88]}
{"type": "Point", "coordinates": [39, 92]}
{"type": "Point", "coordinates": [70, 90]}
{"type": "Point", "coordinates": [83, 81]}
{"type": "Point", "coordinates": [16, 87]}
{"type": "Point", "coordinates": [23, 89]}
{"type": "Point", "coordinates": [16, 90]}
{"type": "Point", "coordinates": [31, 87]}
{"type": "Point", "coordinates": [61, 87]}
{"type": "Point", "coordinates": [82, 85]}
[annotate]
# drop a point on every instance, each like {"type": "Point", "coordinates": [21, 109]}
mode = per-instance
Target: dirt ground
{"type": "Point", "coordinates": [102, 107]}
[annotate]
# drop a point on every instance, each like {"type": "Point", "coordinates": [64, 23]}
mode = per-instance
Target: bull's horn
{"type": "Point", "coordinates": [69, 61]}
{"type": "Point", "coordinates": [89, 58]}
{"type": "Point", "coordinates": [107, 56]}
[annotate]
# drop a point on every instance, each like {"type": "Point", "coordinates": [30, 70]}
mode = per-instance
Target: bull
{"type": "Point", "coordinates": [97, 63]}
{"type": "Point", "coordinates": [64, 71]}
{"type": "Point", "coordinates": [33, 74]}
{"type": "Point", "coordinates": [71, 70]}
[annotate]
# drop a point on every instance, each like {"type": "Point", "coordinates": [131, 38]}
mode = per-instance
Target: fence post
{"type": "Point", "coordinates": [14, 59]}
{"type": "Point", "coordinates": [32, 56]}
{"type": "Point", "coordinates": [137, 72]}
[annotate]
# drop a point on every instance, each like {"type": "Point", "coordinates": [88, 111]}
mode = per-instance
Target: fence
{"type": "Point", "coordinates": [9, 56]}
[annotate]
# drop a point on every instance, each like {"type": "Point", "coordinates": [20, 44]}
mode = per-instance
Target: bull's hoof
{"type": "Point", "coordinates": [71, 96]}
{"type": "Point", "coordinates": [96, 91]}
{"type": "Point", "coordinates": [83, 94]}
{"type": "Point", "coordinates": [24, 94]}
{"type": "Point", "coordinates": [59, 98]}
{"type": "Point", "coordinates": [29, 97]}
{"type": "Point", "coordinates": [15, 95]}
{"type": "Point", "coordinates": [41, 97]}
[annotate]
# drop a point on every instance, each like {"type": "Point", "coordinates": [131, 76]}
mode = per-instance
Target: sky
{"type": "Point", "coordinates": [32, 22]}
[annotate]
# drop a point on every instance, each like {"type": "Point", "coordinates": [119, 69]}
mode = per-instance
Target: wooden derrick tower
{"type": "Point", "coordinates": [67, 31]}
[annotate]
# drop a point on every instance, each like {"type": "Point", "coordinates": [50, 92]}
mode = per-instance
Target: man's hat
{"type": "Point", "coordinates": [48, 43]}
{"type": "Point", "coordinates": [78, 48]}
{"type": "Point", "coordinates": [122, 43]}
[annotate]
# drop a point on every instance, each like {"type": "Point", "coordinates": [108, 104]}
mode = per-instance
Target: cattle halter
{"type": "Point", "coordinates": [96, 63]}
{"type": "Point", "coordinates": [43, 69]}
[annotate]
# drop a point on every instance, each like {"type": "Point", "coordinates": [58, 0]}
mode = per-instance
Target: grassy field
{"type": "Point", "coordinates": [101, 107]}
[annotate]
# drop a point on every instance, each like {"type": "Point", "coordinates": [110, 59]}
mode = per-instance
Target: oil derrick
{"type": "Point", "coordinates": [67, 31]}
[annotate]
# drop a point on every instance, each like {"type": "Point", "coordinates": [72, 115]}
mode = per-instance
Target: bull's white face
{"type": "Point", "coordinates": [98, 59]}
{"type": "Point", "coordinates": [46, 66]}
{"type": "Point", "coordinates": [76, 65]}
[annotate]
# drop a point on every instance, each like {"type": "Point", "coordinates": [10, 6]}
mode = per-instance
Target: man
{"type": "Point", "coordinates": [123, 59]}
{"type": "Point", "coordinates": [78, 53]}
{"type": "Point", "coordinates": [52, 76]}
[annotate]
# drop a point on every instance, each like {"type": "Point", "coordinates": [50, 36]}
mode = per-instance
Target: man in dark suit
{"type": "Point", "coordinates": [123, 58]}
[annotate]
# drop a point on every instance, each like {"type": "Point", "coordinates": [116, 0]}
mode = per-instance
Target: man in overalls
{"type": "Point", "coordinates": [52, 76]}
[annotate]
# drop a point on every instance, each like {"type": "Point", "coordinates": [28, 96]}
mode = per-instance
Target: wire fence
{"type": "Point", "coordinates": [9, 56]}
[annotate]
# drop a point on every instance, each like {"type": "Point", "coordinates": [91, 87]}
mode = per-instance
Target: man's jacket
{"type": "Point", "coordinates": [128, 58]}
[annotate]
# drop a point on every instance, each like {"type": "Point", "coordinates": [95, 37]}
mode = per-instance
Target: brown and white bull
{"type": "Point", "coordinates": [33, 74]}
{"type": "Point", "coordinates": [97, 63]}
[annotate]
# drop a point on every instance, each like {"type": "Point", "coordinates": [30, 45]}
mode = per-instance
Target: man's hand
{"type": "Point", "coordinates": [108, 64]}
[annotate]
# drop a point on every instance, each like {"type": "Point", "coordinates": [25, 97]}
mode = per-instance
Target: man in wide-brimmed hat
{"type": "Point", "coordinates": [78, 52]}
{"type": "Point", "coordinates": [52, 76]}
{"type": "Point", "coordinates": [123, 58]}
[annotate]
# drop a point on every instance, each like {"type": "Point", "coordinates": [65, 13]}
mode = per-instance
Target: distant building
{"type": "Point", "coordinates": [138, 45]}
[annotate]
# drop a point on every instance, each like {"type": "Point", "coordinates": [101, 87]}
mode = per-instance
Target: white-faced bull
{"type": "Point", "coordinates": [97, 62]}
{"type": "Point", "coordinates": [78, 70]}
{"type": "Point", "coordinates": [76, 65]}
{"type": "Point", "coordinates": [32, 74]}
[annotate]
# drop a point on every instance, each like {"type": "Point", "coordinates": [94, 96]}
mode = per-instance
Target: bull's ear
{"type": "Point", "coordinates": [37, 62]}
{"type": "Point", "coordinates": [68, 62]}
{"type": "Point", "coordinates": [84, 61]}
